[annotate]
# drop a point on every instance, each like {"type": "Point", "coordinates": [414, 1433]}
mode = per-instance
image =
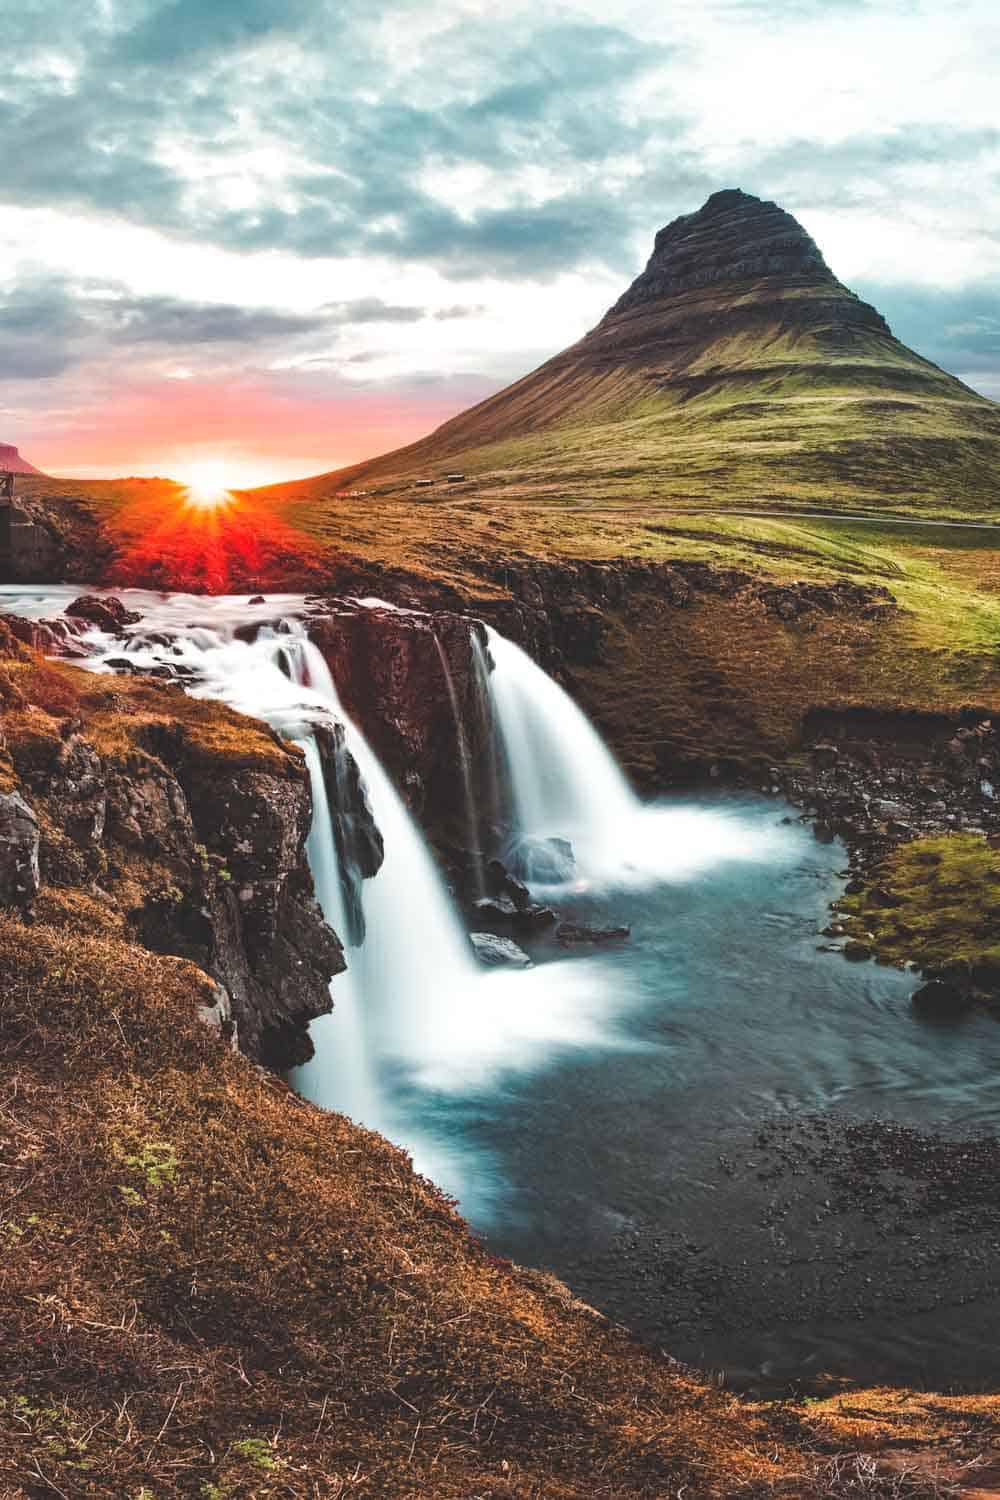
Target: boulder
{"type": "Point", "coordinates": [107, 614]}
{"type": "Point", "coordinates": [940, 999]}
{"type": "Point", "coordinates": [498, 952]}
{"type": "Point", "coordinates": [19, 876]}
{"type": "Point", "coordinates": [856, 951]}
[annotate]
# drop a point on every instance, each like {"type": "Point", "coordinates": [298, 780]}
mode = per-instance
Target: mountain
{"type": "Point", "coordinates": [735, 369]}
{"type": "Point", "coordinates": [13, 463]}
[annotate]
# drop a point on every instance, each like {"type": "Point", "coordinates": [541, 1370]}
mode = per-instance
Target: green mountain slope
{"type": "Point", "coordinates": [735, 370]}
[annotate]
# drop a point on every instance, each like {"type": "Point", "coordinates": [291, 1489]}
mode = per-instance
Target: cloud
{"type": "Point", "coordinates": [185, 31]}
{"type": "Point", "coordinates": [49, 324]}
{"type": "Point", "coordinates": [155, 122]}
{"type": "Point", "coordinates": [415, 166]}
{"type": "Point", "coordinates": [957, 328]}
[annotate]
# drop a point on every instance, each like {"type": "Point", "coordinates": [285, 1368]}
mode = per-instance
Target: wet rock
{"type": "Point", "coordinates": [498, 952]}
{"type": "Point", "coordinates": [500, 882]}
{"type": "Point", "coordinates": [571, 933]}
{"type": "Point", "coordinates": [107, 614]}
{"type": "Point", "coordinates": [857, 951]}
{"type": "Point", "coordinates": [358, 838]}
{"type": "Point", "coordinates": [51, 637]}
{"type": "Point", "coordinates": [941, 999]}
{"type": "Point", "coordinates": [501, 911]}
{"type": "Point", "coordinates": [496, 908]}
{"type": "Point", "coordinates": [410, 679]}
{"type": "Point", "coordinates": [19, 842]}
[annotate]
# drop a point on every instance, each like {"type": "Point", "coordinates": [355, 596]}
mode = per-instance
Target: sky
{"type": "Point", "coordinates": [284, 235]}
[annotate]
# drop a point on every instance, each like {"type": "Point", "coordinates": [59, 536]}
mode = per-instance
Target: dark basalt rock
{"type": "Point", "coordinates": [358, 839]}
{"type": "Point", "coordinates": [941, 999]}
{"type": "Point", "coordinates": [501, 912]}
{"type": "Point", "coordinates": [736, 238]}
{"type": "Point", "coordinates": [500, 882]}
{"type": "Point", "coordinates": [390, 669]}
{"type": "Point", "coordinates": [107, 614]}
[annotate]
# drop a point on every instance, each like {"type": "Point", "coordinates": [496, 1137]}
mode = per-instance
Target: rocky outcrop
{"type": "Point", "coordinates": [562, 612]}
{"type": "Point", "coordinates": [42, 540]}
{"type": "Point", "coordinates": [19, 875]}
{"type": "Point", "coordinates": [12, 462]}
{"type": "Point", "coordinates": [107, 613]}
{"type": "Point", "coordinates": [357, 835]}
{"type": "Point", "coordinates": [735, 237]}
{"type": "Point", "coordinates": [190, 848]}
{"type": "Point", "coordinates": [498, 952]}
{"type": "Point", "coordinates": [392, 669]}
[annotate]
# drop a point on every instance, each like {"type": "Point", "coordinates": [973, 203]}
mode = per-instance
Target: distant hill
{"type": "Point", "coordinates": [13, 463]}
{"type": "Point", "coordinates": [736, 369]}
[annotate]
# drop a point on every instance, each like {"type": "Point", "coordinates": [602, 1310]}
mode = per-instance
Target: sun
{"type": "Point", "coordinates": [206, 483]}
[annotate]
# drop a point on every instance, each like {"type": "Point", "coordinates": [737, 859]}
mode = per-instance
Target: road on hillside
{"type": "Point", "coordinates": [852, 517]}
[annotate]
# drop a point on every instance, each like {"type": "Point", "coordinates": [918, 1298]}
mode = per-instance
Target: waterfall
{"type": "Point", "coordinates": [565, 785]}
{"type": "Point", "coordinates": [356, 1090]}
{"type": "Point", "coordinates": [472, 836]}
{"type": "Point", "coordinates": [564, 782]}
{"type": "Point", "coordinates": [415, 964]}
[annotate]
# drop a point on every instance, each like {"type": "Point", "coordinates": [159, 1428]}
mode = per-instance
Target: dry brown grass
{"type": "Point", "coordinates": [211, 1288]}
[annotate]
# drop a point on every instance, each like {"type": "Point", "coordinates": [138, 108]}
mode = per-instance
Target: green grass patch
{"type": "Point", "coordinates": [935, 901]}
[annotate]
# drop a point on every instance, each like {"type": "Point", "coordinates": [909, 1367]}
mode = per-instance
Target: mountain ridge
{"type": "Point", "coordinates": [737, 367]}
{"type": "Point", "coordinates": [11, 461]}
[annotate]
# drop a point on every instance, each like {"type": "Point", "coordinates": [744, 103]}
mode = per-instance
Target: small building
{"type": "Point", "coordinates": [454, 478]}
{"type": "Point", "coordinates": [424, 484]}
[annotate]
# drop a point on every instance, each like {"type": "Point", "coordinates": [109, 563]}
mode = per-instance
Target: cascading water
{"type": "Point", "coordinates": [415, 965]}
{"type": "Point", "coordinates": [567, 788]}
{"type": "Point", "coordinates": [357, 1094]}
{"type": "Point", "coordinates": [564, 782]}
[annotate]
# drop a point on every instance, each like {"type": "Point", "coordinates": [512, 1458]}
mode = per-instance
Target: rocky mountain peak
{"type": "Point", "coordinates": [13, 463]}
{"type": "Point", "coordinates": [732, 237]}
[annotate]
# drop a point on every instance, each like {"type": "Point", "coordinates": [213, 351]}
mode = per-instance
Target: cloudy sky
{"type": "Point", "coordinates": [292, 233]}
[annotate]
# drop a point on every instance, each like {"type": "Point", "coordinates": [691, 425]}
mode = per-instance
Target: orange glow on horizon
{"type": "Point", "coordinates": [208, 539]}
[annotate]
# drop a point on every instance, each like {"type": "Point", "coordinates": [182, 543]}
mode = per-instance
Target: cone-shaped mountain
{"type": "Point", "coordinates": [736, 369]}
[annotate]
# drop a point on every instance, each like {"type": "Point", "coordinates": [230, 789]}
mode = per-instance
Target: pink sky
{"type": "Point", "coordinates": [260, 431]}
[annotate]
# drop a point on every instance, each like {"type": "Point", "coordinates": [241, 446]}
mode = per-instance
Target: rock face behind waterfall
{"type": "Point", "coordinates": [390, 677]}
{"type": "Point", "coordinates": [135, 811]}
{"type": "Point", "coordinates": [356, 834]}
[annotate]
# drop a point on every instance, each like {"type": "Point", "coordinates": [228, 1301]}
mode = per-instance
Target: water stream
{"type": "Point", "coordinates": [583, 1111]}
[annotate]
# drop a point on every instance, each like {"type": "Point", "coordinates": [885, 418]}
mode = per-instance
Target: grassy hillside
{"type": "Point", "coordinates": [736, 370]}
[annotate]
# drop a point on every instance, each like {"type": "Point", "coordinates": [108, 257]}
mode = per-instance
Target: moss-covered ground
{"type": "Point", "coordinates": [935, 901]}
